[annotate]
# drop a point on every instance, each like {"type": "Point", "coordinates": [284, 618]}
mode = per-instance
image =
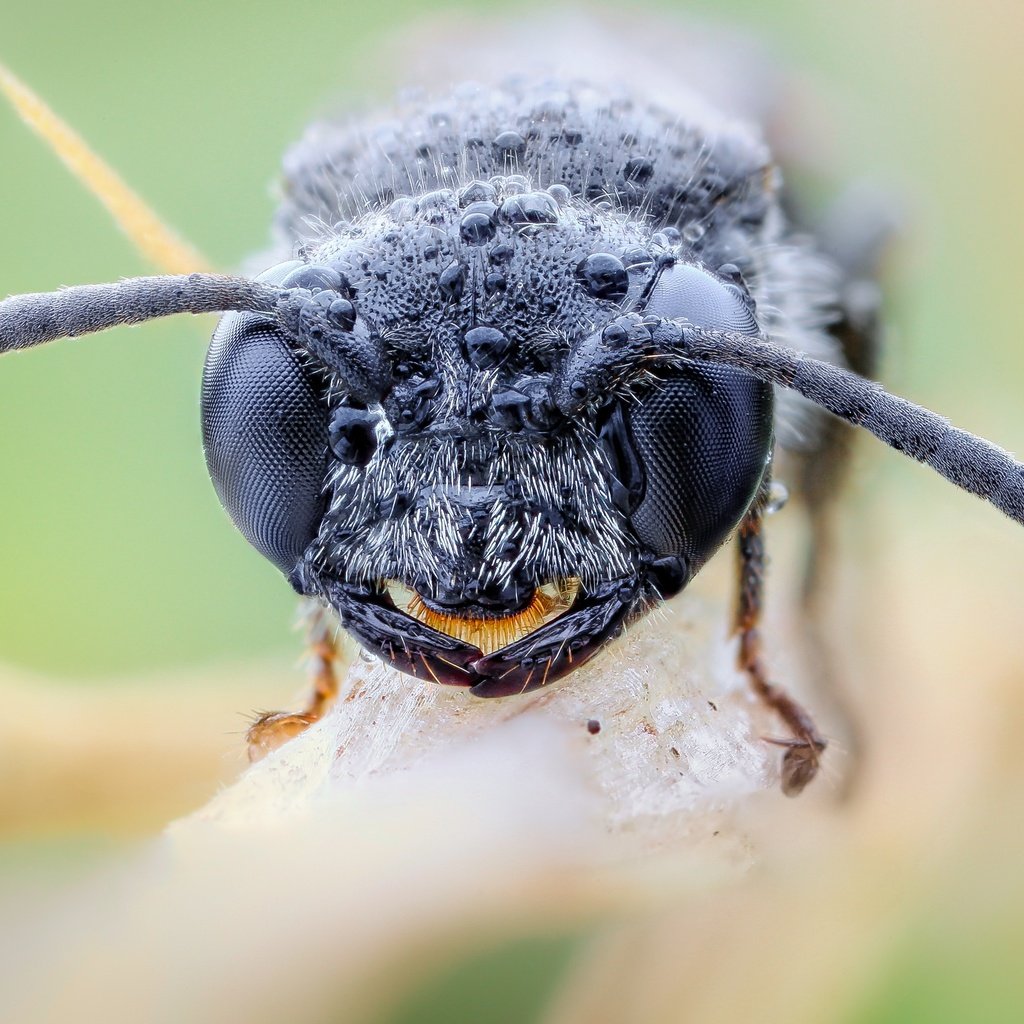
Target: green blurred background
{"type": "Point", "coordinates": [117, 560]}
{"type": "Point", "coordinates": [115, 554]}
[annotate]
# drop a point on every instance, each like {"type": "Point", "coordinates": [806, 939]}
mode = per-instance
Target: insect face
{"type": "Point", "coordinates": [417, 468]}
{"type": "Point", "coordinates": [516, 388]}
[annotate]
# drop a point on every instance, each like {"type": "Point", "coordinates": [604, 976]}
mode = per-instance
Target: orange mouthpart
{"type": "Point", "coordinates": [492, 634]}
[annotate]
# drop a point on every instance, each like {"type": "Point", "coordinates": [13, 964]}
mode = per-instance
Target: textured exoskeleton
{"type": "Point", "coordinates": [511, 377]}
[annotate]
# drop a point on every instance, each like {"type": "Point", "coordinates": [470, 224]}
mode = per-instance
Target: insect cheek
{"type": "Point", "coordinates": [265, 436]}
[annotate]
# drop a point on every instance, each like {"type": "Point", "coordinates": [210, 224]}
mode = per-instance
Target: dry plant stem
{"type": "Point", "coordinates": [803, 751]}
{"type": "Point", "coordinates": [153, 239]}
{"type": "Point", "coordinates": [274, 728]}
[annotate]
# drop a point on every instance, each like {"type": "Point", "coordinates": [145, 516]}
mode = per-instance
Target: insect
{"type": "Point", "coordinates": [520, 369]}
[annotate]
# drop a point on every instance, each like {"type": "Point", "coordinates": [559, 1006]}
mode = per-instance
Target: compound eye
{"type": "Point", "coordinates": [265, 437]}
{"type": "Point", "coordinates": [685, 290]}
{"type": "Point", "coordinates": [703, 434]}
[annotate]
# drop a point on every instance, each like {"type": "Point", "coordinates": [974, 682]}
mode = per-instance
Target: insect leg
{"type": "Point", "coordinates": [803, 751]}
{"type": "Point", "coordinates": [818, 477]}
{"type": "Point", "coordinates": [274, 728]}
{"type": "Point", "coordinates": [855, 233]}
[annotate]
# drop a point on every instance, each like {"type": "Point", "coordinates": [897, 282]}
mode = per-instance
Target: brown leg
{"type": "Point", "coordinates": [819, 485]}
{"type": "Point", "coordinates": [805, 747]}
{"type": "Point", "coordinates": [274, 728]}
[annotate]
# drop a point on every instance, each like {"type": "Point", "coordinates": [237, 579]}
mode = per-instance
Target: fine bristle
{"type": "Point", "coordinates": [158, 243]}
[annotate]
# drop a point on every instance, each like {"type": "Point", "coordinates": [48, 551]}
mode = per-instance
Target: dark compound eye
{"type": "Point", "coordinates": [698, 442]}
{"type": "Point", "coordinates": [604, 276]}
{"type": "Point", "coordinates": [265, 437]}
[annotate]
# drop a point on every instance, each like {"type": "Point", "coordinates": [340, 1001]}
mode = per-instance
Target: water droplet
{"type": "Point", "coordinates": [510, 143]}
{"type": "Point", "coordinates": [636, 259]}
{"type": "Point", "coordinates": [510, 408]}
{"type": "Point", "coordinates": [778, 495]}
{"type": "Point", "coordinates": [477, 225]}
{"type": "Point", "coordinates": [402, 210]}
{"type": "Point", "coordinates": [560, 194]}
{"type": "Point", "coordinates": [442, 198]}
{"type": "Point", "coordinates": [501, 253]}
{"type": "Point", "coordinates": [342, 314]}
{"type": "Point", "coordinates": [530, 208]}
{"type": "Point", "coordinates": [352, 435]}
{"type": "Point", "coordinates": [513, 185]}
{"type": "Point", "coordinates": [495, 283]}
{"type": "Point", "coordinates": [315, 277]}
{"type": "Point", "coordinates": [638, 171]}
{"type": "Point", "coordinates": [604, 276]}
{"type": "Point", "coordinates": [452, 282]}
{"type": "Point", "coordinates": [694, 232]}
{"type": "Point", "coordinates": [615, 335]}
{"type": "Point", "coordinates": [485, 346]}
{"type": "Point", "coordinates": [477, 192]}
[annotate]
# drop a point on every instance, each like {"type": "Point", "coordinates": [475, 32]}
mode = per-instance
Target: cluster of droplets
{"type": "Point", "coordinates": [466, 473]}
{"type": "Point", "coordinates": [602, 145]}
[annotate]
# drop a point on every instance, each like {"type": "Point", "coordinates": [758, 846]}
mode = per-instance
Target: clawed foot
{"type": "Point", "coordinates": [273, 729]}
{"type": "Point", "coordinates": [801, 761]}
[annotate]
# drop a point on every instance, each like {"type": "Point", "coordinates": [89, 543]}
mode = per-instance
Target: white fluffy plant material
{"type": "Point", "coordinates": [653, 740]}
{"type": "Point", "coordinates": [414, 824]}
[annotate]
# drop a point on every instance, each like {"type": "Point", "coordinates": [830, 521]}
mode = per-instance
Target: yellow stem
{"type": "Point", "coordinates": [154, 240]}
